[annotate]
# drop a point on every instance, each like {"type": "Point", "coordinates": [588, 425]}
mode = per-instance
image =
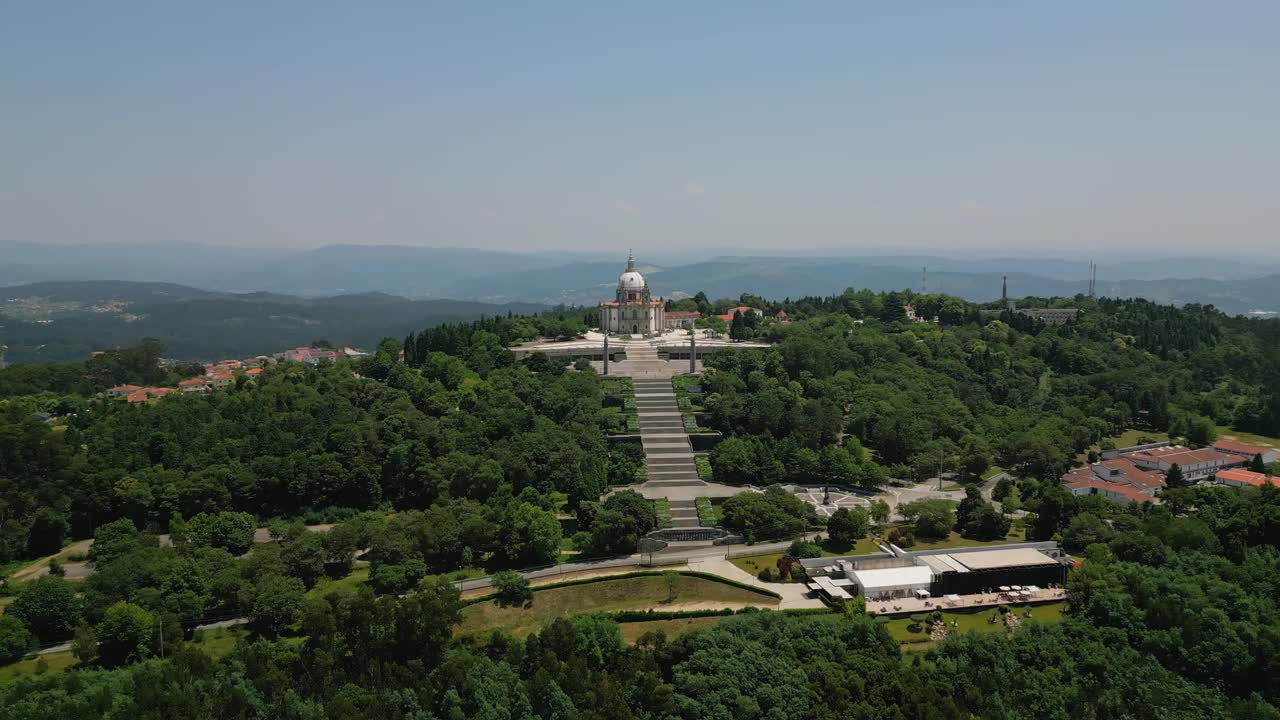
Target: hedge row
{"type": "Point", "coordinates": [630, 616]}
{"type": "Point", "coordinates": [642, 573]}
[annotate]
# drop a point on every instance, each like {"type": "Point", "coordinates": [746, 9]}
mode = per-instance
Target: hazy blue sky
{"type": "Point", "coordinates": [944, 125]}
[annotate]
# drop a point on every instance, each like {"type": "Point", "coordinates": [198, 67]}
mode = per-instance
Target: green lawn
{"type": "Point", "coordinates": [5, 602]}
{"type": "Point", "coordinates": [359, 576]}
{"type": "Point", "coordinates": [57, 662]}
{"type": "Point", "coordinates": [954, 541]}
{"type": "Point", "coordinates": [1128, 438]}
{"type": "Point", "coordinates": [1226, 433]}
{"type": "Point", "coordinates": [673, 628]}
{"type": "Point", "coordinates": [992, 472]}
{"type": "Point", "coordinates": [219, 643]}
{"type": "Point", "coordinates": [632, 593]}
{"type": "Point", "coordinates": [972, 621]}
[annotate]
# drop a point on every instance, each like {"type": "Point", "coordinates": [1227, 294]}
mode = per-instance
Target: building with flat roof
{"type": "Point", "coordinates": [960, 571]}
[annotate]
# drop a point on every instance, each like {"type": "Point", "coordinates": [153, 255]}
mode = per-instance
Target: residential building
{"type": "Point", "coordinates": [1247, 451]}
{"type": "Point", "coordinates": [1118, 479]}
{"type": "Point", "coordinates": [194, 385]}
{"type": "Point", "coordinates": [1195, 464]}
{"type": "Point", "coordinates": [1237, 477]}
{"type": "Point", "coordinates": [123, 390]}
{"type": "Point", "coordinates": [222, 380]}
{"type": "Point", "coordinates": [677, 319]}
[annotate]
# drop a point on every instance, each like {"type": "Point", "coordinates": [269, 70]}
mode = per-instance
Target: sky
{"type": "Point", "coordinates": [1026, 128]}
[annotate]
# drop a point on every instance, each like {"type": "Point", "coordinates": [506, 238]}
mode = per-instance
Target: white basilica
{"type": "Point", "coordinates": [634, 312]}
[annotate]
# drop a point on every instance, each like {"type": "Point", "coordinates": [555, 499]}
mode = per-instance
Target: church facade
{"type": "Point", "coordinates": [633, 310]}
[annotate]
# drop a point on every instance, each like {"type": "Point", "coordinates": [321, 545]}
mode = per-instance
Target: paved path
{"type": "Point", "coordinates": [794, 595]}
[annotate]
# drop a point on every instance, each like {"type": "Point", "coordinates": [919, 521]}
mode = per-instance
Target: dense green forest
{"type": "Point", "coordinates": [979, 389]}
{"type": "Point", "coordinates": [1160, 625]}
{"type": "Point", "coordinates": [57, 322]}
{"type": "Point", "coordinates": [1173, 613]}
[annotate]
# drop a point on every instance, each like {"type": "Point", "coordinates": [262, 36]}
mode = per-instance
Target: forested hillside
{"type": "Point", "coordinates": [67, 321]}
{"type": "Point", "coordinates": [458, 459]}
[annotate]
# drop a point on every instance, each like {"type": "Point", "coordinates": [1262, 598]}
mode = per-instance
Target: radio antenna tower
{"type": "Point", "coordinates": [1093, 280]}
{"type": "Point", "coordinates": [924, 280]}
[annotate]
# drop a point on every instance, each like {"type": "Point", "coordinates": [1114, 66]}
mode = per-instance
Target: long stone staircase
{"type": "Point", "coordinates": [668, 454]}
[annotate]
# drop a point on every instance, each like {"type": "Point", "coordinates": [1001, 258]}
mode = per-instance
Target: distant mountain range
{"type": "Point", "coordinates": [584, 278]}
{"type": "Point", "coordinates": [59, 321]}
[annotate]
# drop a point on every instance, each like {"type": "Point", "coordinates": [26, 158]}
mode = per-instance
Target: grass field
{"type": "Point", "coordinates": [633, 593]}
{"type": "Point", "coordinates": [673, 628]}
{"type": "Point", "coordinates": [219, 643]}
{"type": "Point", "coordinates": [1226, 433]}
{"type": "Point", "coordinates": [359, 576]}
{"type": "Point", "coordinates": [57, 662]}
{"type": "Point", "coordinates": [5, 602]}
{"type": "Point", "coordinates": [992, 471]}
{"type": "Point", "coordinates": [972, 622]}
{"type": "Point", "coordinates": [1128, 438]}
{"type": "Point", "coordinates": [954, 541]}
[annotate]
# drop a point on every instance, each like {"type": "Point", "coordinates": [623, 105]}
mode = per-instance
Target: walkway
{"type": "Point", "coordinates": [794, 595]}
{"type": "Point", "coordinates": [667, 452]}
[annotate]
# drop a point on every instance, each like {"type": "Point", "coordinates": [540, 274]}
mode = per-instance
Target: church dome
{"type": "Point", "coordinates": [631, 280]}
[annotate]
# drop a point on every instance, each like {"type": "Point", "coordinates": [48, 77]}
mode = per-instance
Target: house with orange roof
{"type": "Point", "coordinates": [222, 380]}
{"type": "Point", "coordinates": [1195, 464]}
{"type": "Point", "coordinates": [1117, 479]}
{"type": "Point", "coordinates": [123, 390]}
{"type": "Point", "coordinates": [1239, 477]}
{"type": "Point", "coordinates": [144, 394]}
{"type": "Point", "coordinates": [194, 385]}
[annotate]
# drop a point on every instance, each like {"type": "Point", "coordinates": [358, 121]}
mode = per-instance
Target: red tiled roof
{"type": "Point", "coordinates": [222, 376]}
{"type": "Point", "coordinates": [191, 382]}
{"type": "Point", "coordinates": [1182, 456]}
{"type": "Point", "coordinates": [125, 388]}
{"type": "Point", "coordinates": [1247, 478]}
{"type": "Point", "coordinates": [1235, 447]}
{"type": "Point", "coordinates": [253, 371]}
{"type": "Point", "coordinates": [781, 314]}
{"type": "Point", "coordinates": [726, 318]}
{"type": "Point", "coordinates": [1103, 486]}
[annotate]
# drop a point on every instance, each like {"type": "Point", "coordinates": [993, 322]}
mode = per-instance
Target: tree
{"type": "Point", "coordinates": [636, 506]}
{"type": "Point", "coordinates": [124, 634]}
{"type": "Point", "coordinates": [968, 507]}
{"type": "Point", "coordinates": [987, 524]}
{"type": "Point", "coordinates": [232, 531]}
{"type": "Point", "coordinates": [1085, 529]}
{"type": "Point", "coordinates": [1174, 477]}
{"type": "Point", "coordinates": [513, 589]}
{"type": "Point", "coordinates": [930, 518]}
{"type": "Point", "coordinates": [845, 527]}
{"type": "Point", "coordinates": [304, 556]}
{"type": "Point", "coordinates": [112, 540]}
{"type": "Point", "coordinates": [880, 511]}
{"type": "Point", "coordinates": [613, 533]}
{"type": "Point", "coordinates": [15, 639]}
{"type": "Point", "coordinates": [1256, 464]}
{"type": "Point", "coordinates": [48, 531]}
{"type": "Point", "coordinates": [49, 606]}
{"type": "Point", "coordinates": [273, 603]}
{"type": "Point", "coordinates": [530, 537]}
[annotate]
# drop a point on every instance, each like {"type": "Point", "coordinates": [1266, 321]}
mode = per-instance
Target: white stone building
{"type": "Point", "coordinates": [633, 311]}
